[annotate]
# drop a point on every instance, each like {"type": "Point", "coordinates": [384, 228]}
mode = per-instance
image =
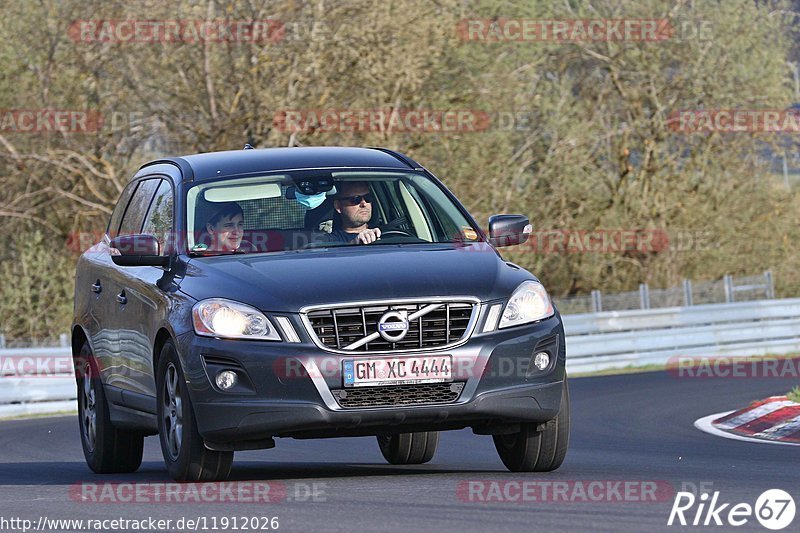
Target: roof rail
{"type": "Point", "coordinates": [187, 173]}
{"type": "Point", "coordinates": [400, 157]}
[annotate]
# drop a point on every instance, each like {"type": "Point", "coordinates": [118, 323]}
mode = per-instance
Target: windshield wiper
{"type": "Point", "coordinates": [198, 253]}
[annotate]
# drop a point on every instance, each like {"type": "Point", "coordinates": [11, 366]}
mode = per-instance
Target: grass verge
{"type": "Point", "coordinates": [38, 415]}
{"type": "Point", "coordinates": [794, 394]}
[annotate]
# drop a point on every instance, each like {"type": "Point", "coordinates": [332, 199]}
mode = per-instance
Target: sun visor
{"type": "Point", "coordinates": [242, 192]}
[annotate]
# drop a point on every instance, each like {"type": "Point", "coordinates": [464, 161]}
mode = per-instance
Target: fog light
{"type": "Point", "coordinates": [541, 360]}
{"type": "Point", "coordinates": [226, 379]}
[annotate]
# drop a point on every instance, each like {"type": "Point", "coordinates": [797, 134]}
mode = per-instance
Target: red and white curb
{"type": "Point", "coordinates": [775, 420]}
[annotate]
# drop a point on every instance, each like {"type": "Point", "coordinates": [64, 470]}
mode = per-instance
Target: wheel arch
{"type": "Point", "coordinates": [162, 336]}
{"type": "Point", "coordinates": [79, 338]}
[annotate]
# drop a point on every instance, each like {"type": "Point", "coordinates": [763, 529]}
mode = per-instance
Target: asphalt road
{"type": "Point", "coordinates": [636, 427]}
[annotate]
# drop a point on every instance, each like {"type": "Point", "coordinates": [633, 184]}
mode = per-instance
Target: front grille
{"type": "Point", "coordinates": [399, 395]}
{"type": "Point", "coordinates": [336, 328]}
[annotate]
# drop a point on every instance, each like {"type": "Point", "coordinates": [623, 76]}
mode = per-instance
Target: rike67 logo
{"type": "Point", "coordinates": [774, 509]}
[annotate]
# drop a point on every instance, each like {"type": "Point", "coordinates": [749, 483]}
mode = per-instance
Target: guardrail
{"type": "Point", "coordinates": [616, 339]}
{"type": "Point", "coordinates": [728, 289]}
{"type": "Point", "coordinates": [51, 387]}
{"type": "Point", "coordinates": [595, 341]}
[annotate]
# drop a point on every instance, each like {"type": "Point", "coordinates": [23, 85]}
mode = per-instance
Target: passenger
{"type": "Point", "coordinates": [226, 229]}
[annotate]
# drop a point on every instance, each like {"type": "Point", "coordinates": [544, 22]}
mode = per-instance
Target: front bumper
{"type": "Point", "coordinates": [288, 387]}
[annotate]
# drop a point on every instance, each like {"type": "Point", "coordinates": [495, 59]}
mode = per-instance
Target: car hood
{"type": "Point", "coordinates": [288, 281]}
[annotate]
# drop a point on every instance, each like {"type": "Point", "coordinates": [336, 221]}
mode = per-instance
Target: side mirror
{"type": "Point", "coordinates": [509, 230]}
{"type": "Point", "coordinates": [138, 250]}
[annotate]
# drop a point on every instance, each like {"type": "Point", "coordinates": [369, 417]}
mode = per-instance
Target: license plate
{"type": "Point", "coordinates": [397, 370]}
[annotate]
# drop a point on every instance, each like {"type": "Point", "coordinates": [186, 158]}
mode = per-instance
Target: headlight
{"type": "Point", "coordinates": [529, 303]}
{"type": "Point", "coordinates": [217, 317]}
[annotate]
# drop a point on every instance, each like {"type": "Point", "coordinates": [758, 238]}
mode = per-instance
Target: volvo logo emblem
{"type": "Point", "coordinates": [393, 325]}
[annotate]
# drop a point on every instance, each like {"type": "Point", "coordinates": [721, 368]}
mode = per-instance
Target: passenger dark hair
{"type": "Point", "coordinates": [218, 212]}
{"type": "Point", "coordinates": [228, 209]}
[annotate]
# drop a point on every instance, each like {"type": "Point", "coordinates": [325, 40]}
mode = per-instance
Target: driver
{"type": "Point", "coordinates": [353, 202]}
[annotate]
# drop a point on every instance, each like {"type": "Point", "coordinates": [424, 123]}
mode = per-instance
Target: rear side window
{"type": "Point", "coordinates": [119, 210]}
{"type": "Point", "coordinates": [137, 208]}
{"type": "Point", "coordinates": [159, 218]}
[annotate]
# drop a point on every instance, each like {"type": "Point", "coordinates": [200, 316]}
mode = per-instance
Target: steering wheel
{"type": "Point", "coordinates": [398, 232]}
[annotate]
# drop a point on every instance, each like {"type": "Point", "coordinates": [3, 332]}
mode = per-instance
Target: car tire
{"type": "Point", "coordinates": [409, 448]}
{"type": "Point", "coordinates": [184, 452]}
{"type": "Point", "coordinates": [535, 448]}
{"type": "Point", "coordinates": [107, 450]}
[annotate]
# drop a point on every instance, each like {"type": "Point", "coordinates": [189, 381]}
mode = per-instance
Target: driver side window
{"type": "Point", "coordinates": [122, 204]}
{"type": "Point", "coordinates": [134, 214]}
{"type": "Point", "coordinates": [158, 221]}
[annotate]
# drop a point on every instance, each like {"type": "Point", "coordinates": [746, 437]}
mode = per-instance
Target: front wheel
{"type": "Point", "coordinates": [107, 450]}
{"type": "Point", "coordinates": [409, 448]}
{"type": "Point", "coordinates": [535, 448]}
{"type": "Point", "coordinates": [185, 455]}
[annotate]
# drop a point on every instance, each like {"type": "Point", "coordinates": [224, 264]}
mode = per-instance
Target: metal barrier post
{"type": "Point", "coordinates": [644, 296]}
{"type": "Point", "coordinates": [727, 281]}
{"type": "Point", "coordinates": [63, 340]}
{"type": "Point", "coordinates": [2, 341]}
{"type": "Point", "coordinates": [687, 292]}
{"type": "Point", "coordinates": [770, 284]}
{"type": "Point", "coordinates": [597, 301]}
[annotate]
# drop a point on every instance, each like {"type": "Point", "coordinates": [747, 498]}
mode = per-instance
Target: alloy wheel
{"type": "Point", "coordinates": [89, 420]}
{"type": "Point", "coordinates": [173, 412]}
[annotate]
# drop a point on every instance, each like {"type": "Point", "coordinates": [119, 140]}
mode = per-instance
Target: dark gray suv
{"type": "Point", "coordinates": [309, 293]}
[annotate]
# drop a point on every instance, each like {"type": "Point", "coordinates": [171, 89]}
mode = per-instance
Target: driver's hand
{"type": "Point", "coordinates": [368, 235]}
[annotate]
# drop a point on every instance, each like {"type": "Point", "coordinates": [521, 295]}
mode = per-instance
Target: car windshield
{"type": "Point", "coordinates": [320, 209]}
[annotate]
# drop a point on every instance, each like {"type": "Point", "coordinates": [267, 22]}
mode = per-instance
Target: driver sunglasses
{"type": "Point", "coordinates": [356, 200]}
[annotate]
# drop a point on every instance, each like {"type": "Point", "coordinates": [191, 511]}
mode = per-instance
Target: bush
{"type": "Point", "coordinates": [36, 288]}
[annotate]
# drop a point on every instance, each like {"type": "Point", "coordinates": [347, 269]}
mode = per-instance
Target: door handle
{"type": "Point", "coordinates": [97, 287]}
{"type": "Point", "coordinates": [121, 298]}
